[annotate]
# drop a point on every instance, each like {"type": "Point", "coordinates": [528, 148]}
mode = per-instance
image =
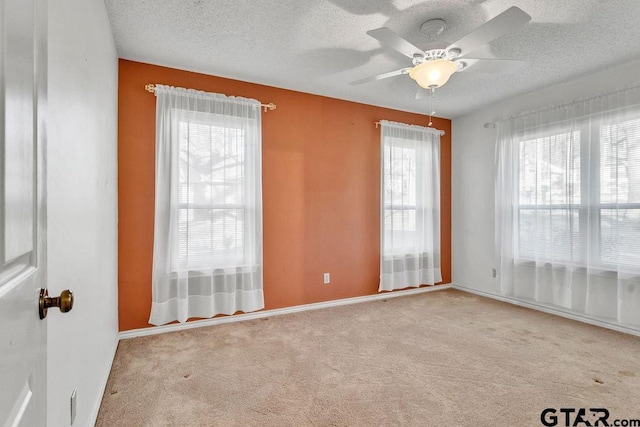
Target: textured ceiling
{"type": "Point", "coordinates": [319, 46]}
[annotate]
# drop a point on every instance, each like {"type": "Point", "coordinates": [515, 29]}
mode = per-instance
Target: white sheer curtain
{"type": "Point", "coordinates": [207, 255]}
{"type": "Point", "coordinates": [568, 207]}
{"type": "Point", "coordinates": [410, 208]}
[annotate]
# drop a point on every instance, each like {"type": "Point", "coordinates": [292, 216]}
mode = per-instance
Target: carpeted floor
{"type": "Point", "coordinates": [444, 358]}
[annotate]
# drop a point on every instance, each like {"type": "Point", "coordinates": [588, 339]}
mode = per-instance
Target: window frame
{"type": "Point", "coordinates": [590, 207]}
{"type": "Point", "coordinates": [406, 144]}
{"type": "Point", "coordinates": [212, 120]}
{"type": "Point", "coordinates": [596, 129]}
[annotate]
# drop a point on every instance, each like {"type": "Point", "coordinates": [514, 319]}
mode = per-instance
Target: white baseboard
{"type": "Point", "coordinates": [103, 384]}
{"type": "Point", "coordinates": [549, 310]}
{"type": "Point", "coordinates": [275, 312]}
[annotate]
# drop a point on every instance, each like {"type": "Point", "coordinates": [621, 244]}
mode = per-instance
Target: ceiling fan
{"type": "Point", "coordinates": [432, 68]}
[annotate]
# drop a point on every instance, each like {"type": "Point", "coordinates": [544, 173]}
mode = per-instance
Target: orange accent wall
{"type": "Point", "coordinates": [321, 190]}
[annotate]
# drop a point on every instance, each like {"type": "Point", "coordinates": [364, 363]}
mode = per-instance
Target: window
{"type": "Point", "coordinates": [619, 204]}
{"type": "Point", "coordinates": [410, 213]}
{"type": "Point", "coordinates": [579, 183]}
{"type": "Point", "coordinates": [567, 212]}
{"type": "Point", "coordinates": [549, 196]}
{"type": "Point", "coordinates": [207, 253]}
{"type": "Point", "coordinates": [400, 203]}
{"type": "Point", "coordinates": [212, 205]}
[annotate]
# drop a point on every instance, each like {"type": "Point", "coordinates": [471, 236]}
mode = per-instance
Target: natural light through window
{"type": "Point", "coordinates": [549, 195]}
{"type": "Point", "coordinates": [410, 212]}
{"type": "Point", "coordinates": [620, 193]}
{"type": "Point", "coordinates": [581, 183]}
{"type": "Point", "coordinates": [400, 198]}
{"type": "Point", "coordinates": [211, 195]}
{"type": "Point", "coordinates": [207, 244]}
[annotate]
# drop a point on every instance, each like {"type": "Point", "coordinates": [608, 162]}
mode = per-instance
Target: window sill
{"type": "Point", "coordinates": [596, 270]}
{"type": "Point", "coordinates": [215, 271]}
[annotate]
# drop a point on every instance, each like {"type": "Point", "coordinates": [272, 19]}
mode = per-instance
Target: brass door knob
{"type": "Point", "coordinates": [64, 302]}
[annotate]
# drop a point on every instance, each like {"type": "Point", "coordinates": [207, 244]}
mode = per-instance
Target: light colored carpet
{"type": "Point", "coordinates": [444, 358]}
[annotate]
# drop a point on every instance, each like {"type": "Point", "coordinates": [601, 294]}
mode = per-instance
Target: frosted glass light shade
{"type": "Point", "coordinates": [433, 73]}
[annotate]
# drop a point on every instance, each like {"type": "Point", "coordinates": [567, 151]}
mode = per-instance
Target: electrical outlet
{"type": "Point", "coordinates": [327, 278]}
{"type": "Point", "coordinates": [494, 272]}
{"type": "Point", "coordinates": [73, 406]}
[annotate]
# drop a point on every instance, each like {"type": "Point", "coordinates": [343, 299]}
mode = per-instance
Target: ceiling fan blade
{"type": "Point", "coordinates": [507, 21]}
{"type": "Point", "coordinates": [390, 39]}
{"type": "Point", "coordinates": [381, 76]}
{"type": "Point", "coordinates": [501, 66]}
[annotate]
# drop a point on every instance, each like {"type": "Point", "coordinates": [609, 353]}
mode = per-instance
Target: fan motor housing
{"type": "Point", "coordinates": [433, 54]}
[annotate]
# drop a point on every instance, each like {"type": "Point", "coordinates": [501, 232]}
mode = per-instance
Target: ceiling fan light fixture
{"type": "Point", "coordinates": [433, 74]}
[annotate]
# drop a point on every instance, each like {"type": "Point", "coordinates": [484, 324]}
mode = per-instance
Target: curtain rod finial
{"type": "Point", "coordinates": [150, 88]}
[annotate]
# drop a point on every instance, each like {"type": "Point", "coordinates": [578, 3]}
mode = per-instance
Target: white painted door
{"type": "Point", "coordinates": [23, 350]}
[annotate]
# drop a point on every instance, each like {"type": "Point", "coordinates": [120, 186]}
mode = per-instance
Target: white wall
{"type": "Point", "coordinates": [473, 169]}
{"type": "Point", "coordinates": [82, 205]}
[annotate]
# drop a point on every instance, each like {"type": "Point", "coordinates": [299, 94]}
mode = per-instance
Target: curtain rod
{"type": "Point", "coordinates": [564, 105]}
{"type": "Point", "coordinates": [270, 106]}
{"type": "Point", "coordinates": [441, 131]}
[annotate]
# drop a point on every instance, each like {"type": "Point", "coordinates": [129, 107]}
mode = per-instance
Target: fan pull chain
{"type": "Point", "coordinates": [432, 110]}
